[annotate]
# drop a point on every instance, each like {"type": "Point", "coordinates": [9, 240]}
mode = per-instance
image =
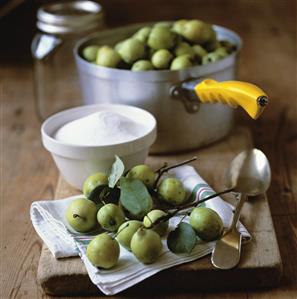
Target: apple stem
{"type": "Point", "coordinates": [164, 169]}
{"type": "Point", "coordinates": [160, 169]}
{"type": "Point", "coordinates": [150, 220]}
{"type": "Point", "coordinates": [190, 205]}
{"type": "Point", "coordinates": [121, 230]}
{"type": "Point", "coordinates": [215, 195]}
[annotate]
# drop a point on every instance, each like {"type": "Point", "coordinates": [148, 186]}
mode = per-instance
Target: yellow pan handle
{"type": "Point", "coordinates": [233, 93]}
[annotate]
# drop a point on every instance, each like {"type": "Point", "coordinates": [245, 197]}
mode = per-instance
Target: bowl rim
{"type": "Point", "coordinates": [50, 126]}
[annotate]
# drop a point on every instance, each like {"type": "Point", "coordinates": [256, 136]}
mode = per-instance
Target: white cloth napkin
{"type": "Point", "coordinates": [49, 222]}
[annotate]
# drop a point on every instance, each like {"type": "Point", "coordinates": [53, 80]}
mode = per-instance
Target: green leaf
{"type": "Point", "coordinates": [117, 170]}
{"type": "Point", "coordinates": [134, 196]}
{"type": "Point", "coordinates": [183, 239]}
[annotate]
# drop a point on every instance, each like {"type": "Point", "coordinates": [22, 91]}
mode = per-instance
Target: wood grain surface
{"type": "Point", "coordinates": [260, 264]}
{"type": "Point", "coordinates": [268, 29]}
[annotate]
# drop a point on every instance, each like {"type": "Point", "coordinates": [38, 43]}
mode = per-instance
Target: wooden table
{"type": "Point", "coordinates": [268, 59]}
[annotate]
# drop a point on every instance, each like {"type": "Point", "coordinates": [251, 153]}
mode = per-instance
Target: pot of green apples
{"type": "Point", "coordinates": [132, 209]}
{"type": "Point", "coordinates": [172, 70]}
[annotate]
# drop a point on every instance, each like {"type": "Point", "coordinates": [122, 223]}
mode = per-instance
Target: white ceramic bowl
{"type": "Point", "coordinates": [77, 162]}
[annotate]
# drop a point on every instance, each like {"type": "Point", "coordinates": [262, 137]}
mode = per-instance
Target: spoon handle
{"type": "Point", "coordinates": [243, 198]}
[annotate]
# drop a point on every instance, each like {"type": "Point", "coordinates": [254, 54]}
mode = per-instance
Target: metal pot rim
{"type": "Point", "coordinates": [155, 75]}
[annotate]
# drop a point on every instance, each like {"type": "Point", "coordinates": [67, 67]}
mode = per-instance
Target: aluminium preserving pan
{"type": "Point", "coordinates": [184, 121]}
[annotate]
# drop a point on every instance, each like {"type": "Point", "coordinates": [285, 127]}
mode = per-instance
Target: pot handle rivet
{"type": "Point", "coordinates": [190, 103]}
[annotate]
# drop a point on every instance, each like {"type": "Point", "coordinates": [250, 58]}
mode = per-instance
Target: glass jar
{"type": "Point", "coordinates": [60, 25]}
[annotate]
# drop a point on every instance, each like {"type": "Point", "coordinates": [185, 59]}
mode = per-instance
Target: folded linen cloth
{"type": "Point", "coordinates": [48, 219]}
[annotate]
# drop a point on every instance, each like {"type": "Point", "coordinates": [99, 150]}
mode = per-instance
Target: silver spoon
{"type": "Point", "coordinates": [249, 174]}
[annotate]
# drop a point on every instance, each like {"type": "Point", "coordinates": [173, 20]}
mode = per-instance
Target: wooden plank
{"type": "Point", "coordinates": [260, 264]}
{"type": "Point", "coordinates": [27, 174]}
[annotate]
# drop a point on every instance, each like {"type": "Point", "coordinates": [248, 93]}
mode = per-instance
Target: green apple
{"type": "Point", "coordinates": [126, 232]}
{"type": "Point", "coordinates": [222, 52]}
{"type": "Point", "coordinates": [161, 59]}
{"type": "Point", "coordinates": [93, 181]}
{"type": "Point", "coordinates": [161, 37]}
{"type": "Point", "coordinates": [103, 251]}
{"type": "Point", "coordinates": [131, 50]}
{"type": "Point", "coordinates": [142, 65]}
{"type": "Point", "coordinates": [172, 191]}
{"type": "Point", "coordinates": [207, 224]}
{"type": "Point", "coordinates": [181, 62]}
{"type": "Point", "coordinates": [152, 217]}
{"type": "Point", "coordinates": [178, 26]}
{"type": "Point", "coordinates": [146, 245]}
{"type": "Point", "coordinates": [184, 48]}
{"type": "Point", "coordinates": [142, 34]}
{"type": "Point", "coordinates": [198, 32]}
{"type": "Point", "coordinates": [199, 51]}
{"type": "Point", "coordinates": [81, 215]}
{"type": "Point", "coordinates": [211, 57]}
{"type": "Point", "coordinates": [110, 217]}
{"type": "Point", "coordinates": [108, 57]}
{"type": "Point", "coordinates": [143, 173]}
{"type": "Point", "coordinates": [90, 53]}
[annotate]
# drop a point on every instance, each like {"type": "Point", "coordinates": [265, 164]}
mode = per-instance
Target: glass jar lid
{"type": "Point", "coordinates": [69, 17]}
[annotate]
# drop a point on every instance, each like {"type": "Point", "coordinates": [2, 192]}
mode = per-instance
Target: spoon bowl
{"type": "Point", "coordinates": [249, 173]}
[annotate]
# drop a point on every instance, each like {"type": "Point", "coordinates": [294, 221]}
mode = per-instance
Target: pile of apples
{"type": "Point", "coordinates": [139, 233]}
{"type": "Point", "coordinates": [164, 45]}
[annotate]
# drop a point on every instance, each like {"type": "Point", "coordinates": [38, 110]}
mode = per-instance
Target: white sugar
{"type": "Point", "coordinates": [100, 128]}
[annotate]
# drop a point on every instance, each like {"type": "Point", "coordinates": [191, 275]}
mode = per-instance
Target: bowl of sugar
{"type": "Point", "coordinates": [85, 139]}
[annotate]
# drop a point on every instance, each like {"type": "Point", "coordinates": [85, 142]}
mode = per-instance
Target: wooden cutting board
{"type": "Point", "coordinates": [260, 265]}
